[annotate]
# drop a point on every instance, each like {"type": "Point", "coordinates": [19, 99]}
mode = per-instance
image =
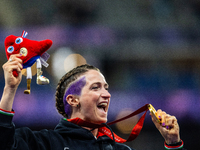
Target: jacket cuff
{"type": "Point", "coordinates": [5, 112]}
{"type": "Point", "coordinates": [6, 117]}
{"type": "Point", "coordinates": [174, 146]}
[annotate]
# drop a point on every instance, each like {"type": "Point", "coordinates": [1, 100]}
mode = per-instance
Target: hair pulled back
{"type": "Point", "coordinates": [64, 83]}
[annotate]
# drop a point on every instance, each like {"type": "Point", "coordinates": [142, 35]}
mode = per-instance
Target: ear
{"type": "Point", "coordinates": [72, 100]}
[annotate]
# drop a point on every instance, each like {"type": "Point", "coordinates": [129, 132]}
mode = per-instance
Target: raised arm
{"type": "Point", "coordinates": [11, 82]}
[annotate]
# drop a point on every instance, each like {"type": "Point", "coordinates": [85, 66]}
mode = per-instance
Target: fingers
{"type": "Point", "coordinates": [16, 62]}
{"type": "Point", "coordinates": [13, 63]}
{"type": "Point", "coordinates": [168, 126]}
{"type": "Point", "coordinates": [167, 120]}
{"type": "Point", "coordinates": [15, 57]}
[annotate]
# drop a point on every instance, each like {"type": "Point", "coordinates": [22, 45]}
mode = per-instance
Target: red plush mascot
{"type": "Point", "coordinates": [31, 51]}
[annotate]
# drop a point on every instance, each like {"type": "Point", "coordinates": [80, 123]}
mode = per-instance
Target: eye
{"type": "Point", "coordinates": [10, 49]}
{"type": "Point", "coordinates": [18, 40]}
{"type": "Point", "coordinates": [107, 88]}
{"type": "Point", "coordinates": [95, 87]}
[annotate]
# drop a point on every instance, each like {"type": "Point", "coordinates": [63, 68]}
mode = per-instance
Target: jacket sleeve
{"type": "Point", "coordinates": [7, 131]}
{"type": "Point", "coordinates": [22, 138]}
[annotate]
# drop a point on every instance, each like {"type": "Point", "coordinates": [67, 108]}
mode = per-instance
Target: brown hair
{"type": "Point", "coordinates": [64, 83]}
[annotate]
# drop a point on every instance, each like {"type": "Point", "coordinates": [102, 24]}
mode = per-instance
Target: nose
{"type": "Point", "coordinates": [105, 94]}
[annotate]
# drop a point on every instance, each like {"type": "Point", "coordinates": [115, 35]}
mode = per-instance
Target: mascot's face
{"type": "Point", "coordinates": [28, 48]}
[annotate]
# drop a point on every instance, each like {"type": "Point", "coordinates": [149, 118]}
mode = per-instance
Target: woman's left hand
{"type": "Point", "coordinates": [168, 127]}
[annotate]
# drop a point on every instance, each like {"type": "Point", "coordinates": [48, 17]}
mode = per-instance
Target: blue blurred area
{"type": "Point", "coordinates": [147, 50]}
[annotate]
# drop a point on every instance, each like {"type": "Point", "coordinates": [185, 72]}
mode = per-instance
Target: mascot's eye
{"type": "Point", "coordinates": [18, 40]}
{"type": "Point", "coordinates": [10, 49]}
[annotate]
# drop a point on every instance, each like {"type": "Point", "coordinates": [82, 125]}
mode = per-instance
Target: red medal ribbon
{"type": "Point", "coordinates": [105, 131]}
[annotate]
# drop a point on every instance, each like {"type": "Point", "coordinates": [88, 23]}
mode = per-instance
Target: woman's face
{"type": "Point", "coordinates": [95, 98]}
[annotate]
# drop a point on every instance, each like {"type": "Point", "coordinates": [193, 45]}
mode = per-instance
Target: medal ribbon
{"type": "Point", "coordinates": [103, 130]}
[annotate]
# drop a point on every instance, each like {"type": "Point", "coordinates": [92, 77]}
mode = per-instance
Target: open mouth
{"type": "Point", "coordinates": [103, 106]}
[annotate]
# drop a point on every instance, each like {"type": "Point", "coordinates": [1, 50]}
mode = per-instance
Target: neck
{"type": "Point", "coordinates": [93, 131]}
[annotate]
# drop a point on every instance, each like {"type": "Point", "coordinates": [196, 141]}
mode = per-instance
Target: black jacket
{"type": "Point", "coordinates": [66, 136]}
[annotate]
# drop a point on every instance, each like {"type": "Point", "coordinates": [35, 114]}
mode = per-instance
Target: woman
{"type": "Point", "coordinates": [81, 93]}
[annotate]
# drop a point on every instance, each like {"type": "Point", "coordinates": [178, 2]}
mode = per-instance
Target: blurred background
{"type": "Point", "coordinates": [148, 50]}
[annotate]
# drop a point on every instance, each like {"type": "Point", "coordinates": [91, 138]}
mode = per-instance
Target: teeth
{"type": "Point", "coordinates": [103, 105]}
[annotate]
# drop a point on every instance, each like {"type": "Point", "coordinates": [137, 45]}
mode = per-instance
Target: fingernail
{"type": "Point", "coordinates": [163, 124]}
{"type": "Point", "coordinates": [20, 54]}
{"type": "Point", "coordinates": [167, 127]}
{"type": "Point", "coordinates": [159, 117]}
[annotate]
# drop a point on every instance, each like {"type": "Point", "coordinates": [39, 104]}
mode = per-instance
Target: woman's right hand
{"type": "Point", "coordinates": [14, 63]}
{"type": "Point", "coordinates": [11, 82]}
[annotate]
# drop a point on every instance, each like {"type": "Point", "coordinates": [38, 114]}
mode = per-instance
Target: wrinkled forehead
{"type": "Point", "coordinates": [94, 76]}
